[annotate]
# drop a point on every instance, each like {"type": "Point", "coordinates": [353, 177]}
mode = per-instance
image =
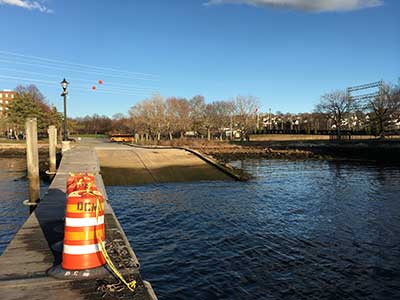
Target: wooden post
{"type": "Point", "coordinates": [52, 148]}
{"type": "Point", "coordinates": [32, 160]}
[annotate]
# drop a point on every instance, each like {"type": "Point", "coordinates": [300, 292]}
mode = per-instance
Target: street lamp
{"type": "Point", "coordinates": [64, 85]}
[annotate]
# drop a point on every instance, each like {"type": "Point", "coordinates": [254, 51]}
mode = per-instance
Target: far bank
{"type": "Point", "coordinates": [375, 150]}
{"type": "Point", "coordinates": [11, 149]}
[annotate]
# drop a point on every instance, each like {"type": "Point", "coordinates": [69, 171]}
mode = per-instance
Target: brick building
{"type": "Point", "coordinates": [6, 98]}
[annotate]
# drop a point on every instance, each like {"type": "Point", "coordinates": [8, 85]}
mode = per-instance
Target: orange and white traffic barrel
{"type": "Point", "coordinates": [84, 230]}
{"type": "Point", "coordinates": [84, 253]}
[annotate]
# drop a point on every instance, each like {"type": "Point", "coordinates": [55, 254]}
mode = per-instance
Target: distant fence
{"type": "Point", "coordinates": [325, 132]}
{"type": "Point", "coordinates": [315, 137]}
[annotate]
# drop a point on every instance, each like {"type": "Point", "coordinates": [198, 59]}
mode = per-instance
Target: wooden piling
{"type": "Point", "coordinates": [32, 160]}
{"type": "Point", "coordinates": [52, 148]}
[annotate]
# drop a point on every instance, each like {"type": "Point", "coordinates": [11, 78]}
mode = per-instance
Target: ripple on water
{"type": "Point", "coordinates": [298, 230]}
{"type": "Point", "coordinates": [14, 190]}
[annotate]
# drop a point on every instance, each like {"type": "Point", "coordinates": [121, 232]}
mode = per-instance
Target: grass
{"type": "Point", "coordinates": [98, 136]}
{"type": "Point", "coordinates": [8, 141]}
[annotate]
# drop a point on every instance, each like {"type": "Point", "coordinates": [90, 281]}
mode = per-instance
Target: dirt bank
{"type": "Point", "coordinates": [18, 150]}
{"type": "Point", "coordinates": [375, 150]}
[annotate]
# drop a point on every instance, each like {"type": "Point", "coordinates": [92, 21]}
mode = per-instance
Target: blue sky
{"type": "Point", "coordinates": [285, 52]}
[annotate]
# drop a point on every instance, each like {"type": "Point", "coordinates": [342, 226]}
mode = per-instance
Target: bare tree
{"type": "Point", "coordinates": [218, 116]}
{"type": "Point", "coordinates": [177, 115]}
{"type": "Point", "coordinates": [121, 123]}
{"type": "Point", "coordinates": [139, 119]}
{"type": "Point", "coordinates": [197, 113]}
{"type": "Point", "coordinates": [148, 116]}
{"type": "Point", "coordinates": [156, 109]}
{"type": "Point", "coordinates": [385, 108]}
{"type": "Point", "coordinates": [335, 106]}
{"type": "Point", "coordinates": [225, 111]}
{"type": "Point", "coordinates": [245, 113]}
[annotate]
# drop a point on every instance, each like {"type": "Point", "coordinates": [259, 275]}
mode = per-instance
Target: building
{"type": "Point", "coordinates": [6, 98]}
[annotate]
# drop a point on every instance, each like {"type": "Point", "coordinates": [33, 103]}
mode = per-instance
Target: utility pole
{"type": "Point", "coordinates": [231, 127]}
{"type": "Point", "coordinates": [270, 120]}
{"type": "Point", "coordinates": [258, 121]}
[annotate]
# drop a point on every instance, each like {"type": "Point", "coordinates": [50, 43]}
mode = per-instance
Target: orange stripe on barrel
{"type": "Point", "coordinates": [83, 235]}
{"type": "Point", "coordinates": [84, 207]}
{"type": "Point", "coordinates": [79, 229]}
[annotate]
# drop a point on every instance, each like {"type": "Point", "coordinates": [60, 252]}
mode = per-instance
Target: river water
{"type": "Point", "coordinates": [297, 230]}
{"type": "Point", "coordinates": [13, 191]}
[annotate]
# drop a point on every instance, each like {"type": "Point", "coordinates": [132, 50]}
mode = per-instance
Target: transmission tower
{"type": "Point", "coordinates": [369, 91]}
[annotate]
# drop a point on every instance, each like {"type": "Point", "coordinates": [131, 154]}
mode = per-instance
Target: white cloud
{"type": "Point", "coordinates": [307, 5]}
{"type": "Point", "coordinates": [30, 5]}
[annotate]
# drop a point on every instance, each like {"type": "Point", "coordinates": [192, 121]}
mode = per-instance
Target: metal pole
{"type": "Point", "coordinates": [258, 121]}
{"type": "Point", "coordinates": [65, 138]}
{"type": "Point", "coordinates": [231, 128]}
{"type": "Point", "coordinates": [52, 148]}
{"type": "Point", "coordinates": [270, 121]}
{"type": "Point", "coordinates": [32, 160]}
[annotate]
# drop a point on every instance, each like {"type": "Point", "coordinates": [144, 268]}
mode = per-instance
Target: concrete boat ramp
{"type": "Point", "coordinates": [38, 244]}
{"type": "Point", "coordinates": [126, 165]}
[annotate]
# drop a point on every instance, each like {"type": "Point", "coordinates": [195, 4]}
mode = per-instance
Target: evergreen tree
{"type": "Point", "coordinates": [30, 102]}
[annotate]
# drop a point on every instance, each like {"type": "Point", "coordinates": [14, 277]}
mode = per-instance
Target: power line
{"type": "Point", "coordinates": [365, 96]}
{"type": "Point", "coordinates": [109, 84]}
{"type": "Point", "coordinates": [364, 86]}
{"type": "Point", "coordinates": [72, 70]}
{"type": "Point", "coordinates": [76, 64]}
{"type": "Point", "coordinates": [80, 87]}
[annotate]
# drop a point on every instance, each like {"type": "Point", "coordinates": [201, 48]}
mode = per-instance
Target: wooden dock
{"type": "Point", "coordinates": [36, 247]}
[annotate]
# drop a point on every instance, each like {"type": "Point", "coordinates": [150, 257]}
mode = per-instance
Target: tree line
{"type": "Point", "coordinates": [159, 118]}
{"type": "Point", "coordinates": [167, 118]}
{"type": "Point", "coordinates": [174, 117]}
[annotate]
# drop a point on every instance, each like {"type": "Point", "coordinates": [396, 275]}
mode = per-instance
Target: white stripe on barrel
{"type": "Point", "coordinates": [86, 249]}
{"type": "Point", "coordinates": [84, 222]}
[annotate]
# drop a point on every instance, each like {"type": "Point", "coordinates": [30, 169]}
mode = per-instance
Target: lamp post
{"type": "Point", "coordinates": [64, 85]}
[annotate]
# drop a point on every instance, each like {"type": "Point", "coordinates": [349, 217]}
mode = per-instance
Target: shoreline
{"type": "Point", "coordinates": [377, 151]}
{"type": "Point", "coordinates": [372, 151]}
{"type": "Point", "coordinates": [8, 150]}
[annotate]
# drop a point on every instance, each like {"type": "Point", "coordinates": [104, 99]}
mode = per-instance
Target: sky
{"type": "Point", "coordinates": [287, 53]}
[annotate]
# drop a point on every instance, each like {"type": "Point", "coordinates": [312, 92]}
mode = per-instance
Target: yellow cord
{"type": "Point", "coordinates": [130, 285]}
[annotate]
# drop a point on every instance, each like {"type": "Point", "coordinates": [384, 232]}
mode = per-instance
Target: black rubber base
{"type": "Point", "coordinates": [97, 273]}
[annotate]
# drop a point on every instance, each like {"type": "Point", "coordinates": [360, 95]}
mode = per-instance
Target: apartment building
{"type": "Point", "coordinates": [6, 98]}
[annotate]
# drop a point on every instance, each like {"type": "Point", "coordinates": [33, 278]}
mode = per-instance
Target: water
{"type": "Point", "coordinates": [298, 230]}
{"type": "Point", "coordinates": [14, 190]}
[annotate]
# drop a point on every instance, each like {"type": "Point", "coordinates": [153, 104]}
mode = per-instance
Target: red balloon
{"type": "Point", "coordinates": [100, 81]}
{"type": "Point", "coordinates": [94, 88]}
